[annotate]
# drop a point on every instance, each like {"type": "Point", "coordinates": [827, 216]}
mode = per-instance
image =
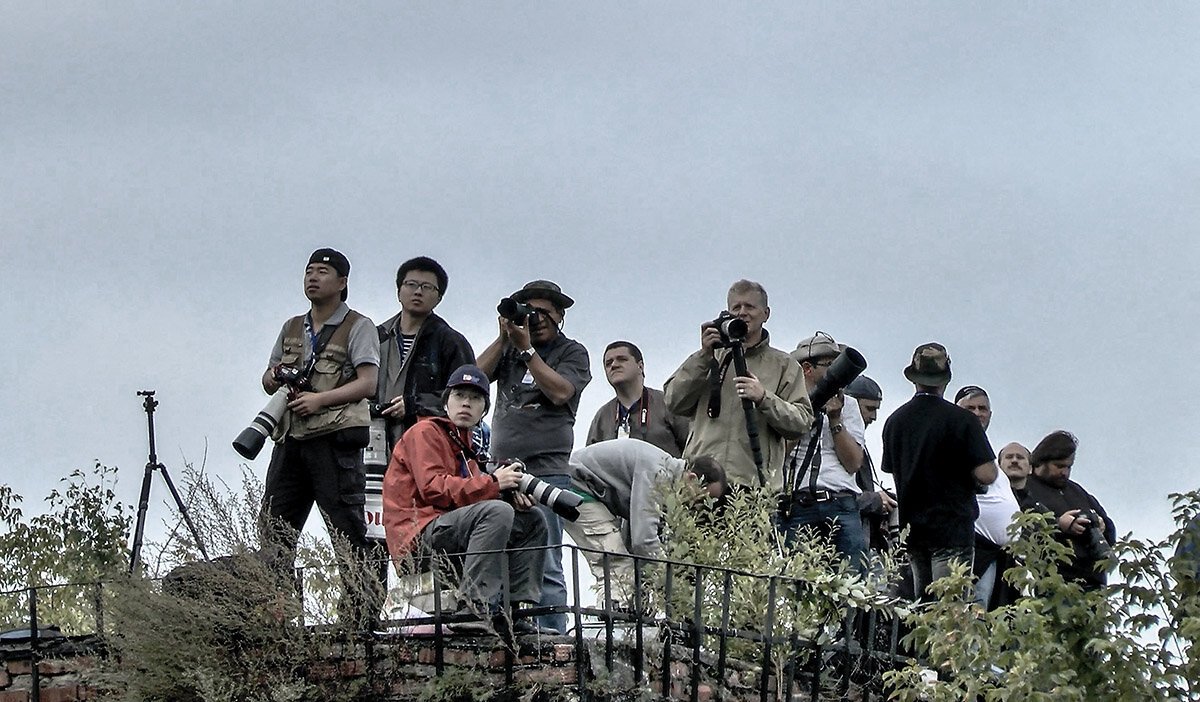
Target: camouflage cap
{"type": "Point", "coordinates": [930, 365]}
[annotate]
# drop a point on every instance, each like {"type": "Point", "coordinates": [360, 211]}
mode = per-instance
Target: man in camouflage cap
{"type": "Point", "coordinates": [939, 455]}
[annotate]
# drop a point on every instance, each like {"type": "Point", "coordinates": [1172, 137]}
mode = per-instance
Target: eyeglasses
{"type": "Point", "coordinates": [414, 286]}
{"type": "Point", "coordinates": [823, 364]}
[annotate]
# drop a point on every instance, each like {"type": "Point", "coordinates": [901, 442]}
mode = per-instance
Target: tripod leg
{"type": "Point", "coordinates": [135, 553]}
{"type": "Point", "coordinates": [183, 510]}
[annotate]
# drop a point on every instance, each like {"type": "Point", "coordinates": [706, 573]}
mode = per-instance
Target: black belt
{"type": "Point", "coordinates": [806, 496]}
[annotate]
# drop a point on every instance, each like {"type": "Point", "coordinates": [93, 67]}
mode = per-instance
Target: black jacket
{"type": "Point", "coordinates": [437, 351]}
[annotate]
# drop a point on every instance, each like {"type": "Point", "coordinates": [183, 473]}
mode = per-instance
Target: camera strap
{"type": "Point", "coordinates": [465, 450]}
{"type": "Point", "coordinates": [716, 378]}
{"type": "Point", "coordinates": [812, 458]}
{"type": "Point", "coordinates": [318, 341]}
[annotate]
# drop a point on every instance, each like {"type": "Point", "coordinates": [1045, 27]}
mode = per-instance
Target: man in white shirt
{"type": "Point", "coordinates": [996, 506]}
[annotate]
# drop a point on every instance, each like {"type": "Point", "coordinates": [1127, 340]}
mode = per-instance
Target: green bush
{"type": "Point", "coordinates": [80, 540]}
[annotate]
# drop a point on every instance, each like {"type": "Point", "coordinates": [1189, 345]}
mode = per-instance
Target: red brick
{"type": "Point", "coordinates": [5, 678]}
{"type": "Point", "coordinates": [60, 694]}
{"type": "Point", "coordinates": [557, 676]}
{"type": "Point", "coordinates": [352, 669]}
{"type": "Point", "coordinates": [564, 652]}
{"type": "Point", "coordinates": [52, 667]}
{"type": "Point", "coordinates": [704, 693]}
{"type": "Point", "coordinates": [14, 695]}
{"type": "Point", "coordinates": [19, 667]}
{"type": "Point", "coordinates": [426, 656]}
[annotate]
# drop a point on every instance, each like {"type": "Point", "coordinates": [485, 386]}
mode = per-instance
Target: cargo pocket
{"type": "Point", "coordinates": [352, 478]}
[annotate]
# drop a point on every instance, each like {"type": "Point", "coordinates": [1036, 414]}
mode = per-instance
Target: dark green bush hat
{"type": "Point", "coordinates": [930, 365]}
{"type": "Point", "coordinates": [544, 290]}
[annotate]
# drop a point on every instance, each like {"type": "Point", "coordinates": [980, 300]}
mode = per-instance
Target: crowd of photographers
{"type": "Point", "coordinates": [737, 414]}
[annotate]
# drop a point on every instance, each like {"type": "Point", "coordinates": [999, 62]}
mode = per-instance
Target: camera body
{"type": "Point", "coordinates": [732, 329]}
{"type": "Point", "coordinates": [296, 379]}
{"type": "Point", "coordinates": [1094, 546]}
{"type": "Point", "coordinates": [517, 312]}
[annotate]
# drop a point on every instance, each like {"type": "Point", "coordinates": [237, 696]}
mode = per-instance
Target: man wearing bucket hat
{"type": "Point", "coordinates": [938, 454]}
{"type": "Point", "coordinates": [539, 375]}
{"type": "Point", "coordinates": [436, 500]}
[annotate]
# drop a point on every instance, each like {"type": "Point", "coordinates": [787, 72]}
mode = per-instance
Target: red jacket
{"type": "Point", "coordinates": [425, 480]}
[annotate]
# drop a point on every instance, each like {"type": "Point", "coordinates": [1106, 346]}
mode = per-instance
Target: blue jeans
{"type": "Point", "coordinates": [840, 512]}
{"type": "Point", "coordinates": [554, 584]}
{"type": "Point", "coordinates": [929, 564]}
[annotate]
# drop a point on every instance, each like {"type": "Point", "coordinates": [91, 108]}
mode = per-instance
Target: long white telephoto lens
{"type": "Point", "coordinates": [564, 503]}
{"type": "Point", "coordinates": [252, 438]}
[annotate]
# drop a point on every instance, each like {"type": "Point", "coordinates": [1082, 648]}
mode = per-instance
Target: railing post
{"type": "Point", "coordinates": [35, 693]}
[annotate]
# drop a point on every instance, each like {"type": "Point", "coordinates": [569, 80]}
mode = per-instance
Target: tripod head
{"type": "Point", "coordinates": [149, 403]}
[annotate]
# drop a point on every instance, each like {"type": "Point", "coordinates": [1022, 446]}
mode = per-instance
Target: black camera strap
{"type": "Point", "coordinates": [811, 465]}
{"type": "Point", "coordinates": [466, 450]}
{"type": "Point", "coordinates": [716, 378]}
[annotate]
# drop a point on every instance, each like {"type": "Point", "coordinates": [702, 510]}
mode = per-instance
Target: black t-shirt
{"type": "Point", "coordinates": [932, 447]}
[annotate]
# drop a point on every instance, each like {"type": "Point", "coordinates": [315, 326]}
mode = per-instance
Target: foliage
{"type": "Point", "coordinates": [1132, 640]}
{"type": "Point", "coordinates": [233, 628]}
{"type": "Point", "coordinates": [80, 540]}
{"type": "Point", "coordinates": [814, 589]}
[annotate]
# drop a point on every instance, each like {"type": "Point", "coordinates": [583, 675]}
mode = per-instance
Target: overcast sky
{"type": "Point", "coordinates": [1015, 181]}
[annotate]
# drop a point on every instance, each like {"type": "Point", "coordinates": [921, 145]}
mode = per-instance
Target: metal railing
{"type": "Point", "coordinates": [645, 638]}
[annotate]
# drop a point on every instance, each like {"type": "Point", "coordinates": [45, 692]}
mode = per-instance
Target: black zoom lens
{"type": "Point", "coordinates": [513, 311]}
{"type": "Point", "coordinates": [564, 503]}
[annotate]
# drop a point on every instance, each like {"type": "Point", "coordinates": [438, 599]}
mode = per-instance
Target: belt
{"type": "Point", "coordinates": [806, 496]}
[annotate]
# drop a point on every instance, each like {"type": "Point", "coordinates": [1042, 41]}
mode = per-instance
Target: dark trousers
{"type": "Point", "coordinates": [327, 472]}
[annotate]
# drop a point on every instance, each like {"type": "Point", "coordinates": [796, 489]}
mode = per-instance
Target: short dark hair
{"type": "Point", "coordinates": [1057, 446]}
{"type": "Point", "coordinates": [427, 264]}
{"type": "Point", "coordinates": [709, 471]}
{"type": "Point", "coordinates": [633, 350]}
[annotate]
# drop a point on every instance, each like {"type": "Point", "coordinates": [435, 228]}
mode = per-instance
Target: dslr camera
{"type": "Point", "coordinates": [733, 330]}
{"type": "Point", "coordinates": [564, 503]}
{"type": "Point", "coordinates": [292, 381]}
{"type": "Point", "coordinates": [517, 312]}
{"type": "Point", "coordinates": [1095, 546]}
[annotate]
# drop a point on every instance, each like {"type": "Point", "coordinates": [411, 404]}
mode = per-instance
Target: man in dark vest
{"type": "Point", "coordinates": [327, 361]}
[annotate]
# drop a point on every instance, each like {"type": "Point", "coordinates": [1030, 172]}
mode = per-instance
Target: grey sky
{"type": "Point", "coordinates": [1015, 181]}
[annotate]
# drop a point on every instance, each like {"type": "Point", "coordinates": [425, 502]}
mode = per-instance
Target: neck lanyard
{"type": "Point", "coordinates": [623, 413]}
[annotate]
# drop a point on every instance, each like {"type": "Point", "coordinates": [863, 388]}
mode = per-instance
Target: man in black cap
{"type": "Point", "coordinates": [327, 361]}
{"type": "Point", "coordinates": [539, 375]}
{"type": "Point", "coordinates": [938, 454]}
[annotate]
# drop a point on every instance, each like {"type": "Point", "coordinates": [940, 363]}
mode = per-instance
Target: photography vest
{"type": "Point", "coordinates": [326, 375]}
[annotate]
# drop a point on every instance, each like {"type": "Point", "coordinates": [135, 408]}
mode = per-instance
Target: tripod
{"type": "Point", "coordinates": [135, 555]}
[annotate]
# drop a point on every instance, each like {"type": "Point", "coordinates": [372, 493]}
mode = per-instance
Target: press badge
{"type": "Point", "coordinates": [623, 431]}
{"type": "Point", "coordinates": [528, 379]}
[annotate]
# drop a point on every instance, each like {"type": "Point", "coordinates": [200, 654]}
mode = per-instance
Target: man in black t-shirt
{"type": "Point", "coordinates": [938, 454]}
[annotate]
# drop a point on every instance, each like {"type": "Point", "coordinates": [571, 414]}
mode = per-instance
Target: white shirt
{"type": "Point", "coordinates": [996, 508]}
{"type": "Point", "coordinates": [833, 475]}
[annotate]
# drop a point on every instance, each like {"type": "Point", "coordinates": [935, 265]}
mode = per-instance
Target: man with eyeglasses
{"type": "Point", "coordinates": [821, 468]}
{"type": "Point", "coordinates": [417, 349]}
{"type": "Point", "coordinates": [539, 375]}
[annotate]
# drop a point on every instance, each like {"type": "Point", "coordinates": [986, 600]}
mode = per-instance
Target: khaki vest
{"type": "Point", "coordinates": [326, 375]}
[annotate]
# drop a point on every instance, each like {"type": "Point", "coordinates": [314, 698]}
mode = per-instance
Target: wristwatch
{"type": "Point", "coordinates": [527, 355]}
{"type": "Point", "coordinates": [836, 429]}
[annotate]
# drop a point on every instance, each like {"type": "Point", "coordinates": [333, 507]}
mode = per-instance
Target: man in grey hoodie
{"type": "Point", "coordinates": [621, 482]}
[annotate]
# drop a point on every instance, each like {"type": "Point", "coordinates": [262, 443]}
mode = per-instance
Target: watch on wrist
{"type": "Point", "coordinates": [836, 429]}
{"type": "Point", "coordinates": [527, 355]}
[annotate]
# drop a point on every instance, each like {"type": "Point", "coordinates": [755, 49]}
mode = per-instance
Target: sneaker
{"type": "Point", "coordinates": [473, 626]}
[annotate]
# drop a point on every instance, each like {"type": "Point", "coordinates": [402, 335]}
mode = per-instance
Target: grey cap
{"type": "Point", "coordinates": [863, 388]}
